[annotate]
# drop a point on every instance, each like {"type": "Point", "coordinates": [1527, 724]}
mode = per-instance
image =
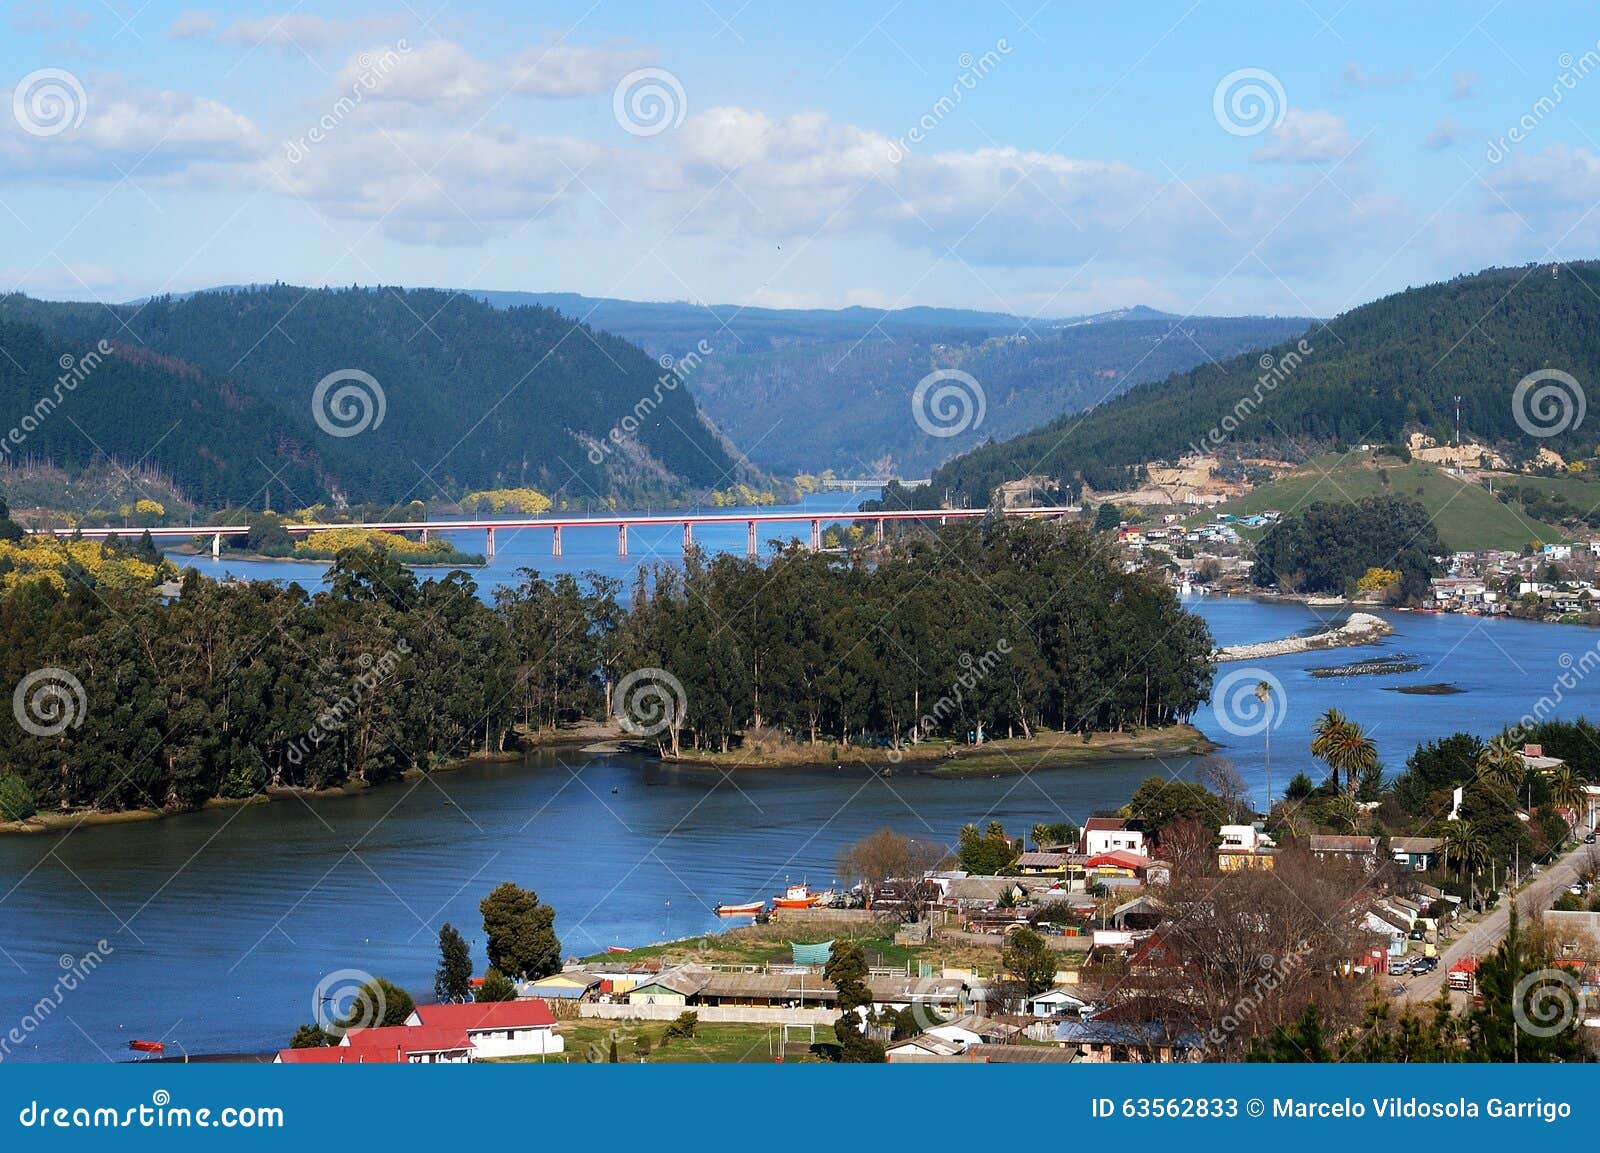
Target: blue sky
{"type": "Point", "coordinates": [809, 155]}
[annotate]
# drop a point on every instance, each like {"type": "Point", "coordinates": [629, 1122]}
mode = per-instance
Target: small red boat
{"type": "Point", "coordinates": [147, 1046]}
{"type": "Point", "coordinates": [748, 909]}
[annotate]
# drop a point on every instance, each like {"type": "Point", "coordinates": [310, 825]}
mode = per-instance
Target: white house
{"type": "Point", "coordinates": [1107, 834]}
{"type": "Point", "coordinates": [1056, 1003]}
{"type": "Point", "coordinates": [971, 1029]}
{"type": "Point", "coordinates": [496, 1028]}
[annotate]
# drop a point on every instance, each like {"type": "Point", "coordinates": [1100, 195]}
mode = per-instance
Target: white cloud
{"type": "Point", "coordinates": [1559, 182]}
{"type": "Point", "coordinates": [1306, 136]}
{"type": "Point", "coordinates": [160, 133]}
{"type": "Point", "coordinates": [443, 74]}
{"type": "Point", "coordinates": [1355, 78]}
{"type": "Point", "coordinates": [1445, 134]}
{"type": "Point", "coordinates": [35, 17]}
{"type": "Point", "coordinates": [803, 177]}
{"type": "Point", "coordinates": [191, 24]}
{"type": "Point", "coordinates": [1464, 86]}
{"type": "Point", "coordinates": [301, 31]}
{"type": "Point", "coordinates": [437, 187]}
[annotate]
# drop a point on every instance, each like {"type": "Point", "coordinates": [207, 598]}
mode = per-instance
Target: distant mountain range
{"type": "Point", "coordinates": [1372, 374]}
{"type": "Point", "coordinates": [217, 389]}
{"type": "Point", "coordinates": [800, 390]}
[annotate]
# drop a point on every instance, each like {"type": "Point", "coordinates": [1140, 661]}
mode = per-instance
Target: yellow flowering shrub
{"type": "Point", "coordinates": [41, 558]}
{"type": "Point", "coordinates": [527, 500]}
{"type": "Point", "coordinates": [333, 539]}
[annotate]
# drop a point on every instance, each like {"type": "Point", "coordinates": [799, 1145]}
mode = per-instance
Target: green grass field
{"type": "Point", "coordinates": [590, 1040]}
{"type": "Point", "coordinates": [1467, 515]}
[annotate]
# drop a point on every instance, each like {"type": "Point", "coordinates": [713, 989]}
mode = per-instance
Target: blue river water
{"type": "Point", "coordinates": [219, 925]}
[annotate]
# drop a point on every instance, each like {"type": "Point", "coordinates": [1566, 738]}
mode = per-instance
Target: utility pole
{"type": "Point", "coordinates": [1458, 422]}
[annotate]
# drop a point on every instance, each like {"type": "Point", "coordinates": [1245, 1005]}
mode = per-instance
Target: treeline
{"type": "Point", "coordinates": [1371, 375]}
{"type": "Point", "coordinates": [1011, 626]}
{"type": "Point", "coordinates": [233, 689]}
{"type": "Point", "coordinates": [1328, 546]}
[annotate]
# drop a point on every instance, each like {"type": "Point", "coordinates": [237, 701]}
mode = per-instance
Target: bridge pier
{"type": "Point", "coordinates": [688, 536]}
{"type": "Point", "coordinates": [816, 536]}
{"type": "Point", "coordinates": [488, 543]}
{"type": "Point", "coordinates": [424, 536]}
{"type": "Point", "coordinates": [750, 549]}
{"type": "Point", "coordinates": [216, 546]}
{"type": "Point", "coordinates": [622, 540]}
{"type": "Point", "coordinates": [555, 543]}
{"type": "Point", "coordinates": [880, 532]}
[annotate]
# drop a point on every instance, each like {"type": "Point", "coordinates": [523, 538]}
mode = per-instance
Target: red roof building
{"type": "Point", "coordinates": [496, 1028]}
{"type": "Point", "coordinates": [413, 1043]}
{"type": "Point", "coordinates": [339, 1055]}
{"type": "Point", "coordinates": [475, 1016]}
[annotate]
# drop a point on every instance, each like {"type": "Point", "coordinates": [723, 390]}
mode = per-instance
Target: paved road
{"type": "Point", "coordinates": [1483, 936]}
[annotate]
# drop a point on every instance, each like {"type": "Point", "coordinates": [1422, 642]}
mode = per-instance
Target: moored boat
{"type": "Point", "coordinates": [147, 1046]}
{"type": "Point", "coordinates": [747, 909]}
{"type": "Point", "coordinates": [800, 897]}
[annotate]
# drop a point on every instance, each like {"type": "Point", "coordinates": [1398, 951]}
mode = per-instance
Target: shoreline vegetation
{"type": "Point", "coordinates": [1001, 756]}
{"type": "Point", "coordinates": [1008, 629]}
{"type": "Point", "coordinates": [932, 758]}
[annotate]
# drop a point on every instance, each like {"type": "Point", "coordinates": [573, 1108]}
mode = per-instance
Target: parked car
{"type": "Point", "coordinates": [1589, 840]}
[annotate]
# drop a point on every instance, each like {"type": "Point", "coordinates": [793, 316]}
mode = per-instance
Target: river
{"type": "Point", "coordinates": [221, 924]}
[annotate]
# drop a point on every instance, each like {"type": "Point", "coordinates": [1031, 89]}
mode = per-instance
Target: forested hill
{"type": "Point", "coordinates": [1372, 374]}
{"type": "Point", "coordinates": [67, 402]}
{"type": "Point", "coordinates": [473, 396]}
{"type": "Point", "coordinates": [802, 390]}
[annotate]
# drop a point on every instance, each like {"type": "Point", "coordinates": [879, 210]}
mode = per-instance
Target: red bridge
{"type": "Point", "coordinates": [622, 522]}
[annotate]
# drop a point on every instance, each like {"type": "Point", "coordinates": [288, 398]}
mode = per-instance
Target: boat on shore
{"type": "Point", "coordinates": [747, 909]}
{"type": "Point", "coordinates": [801, 897]}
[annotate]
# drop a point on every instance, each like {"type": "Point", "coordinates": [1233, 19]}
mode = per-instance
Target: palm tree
{"type": "Point", "coordinates": [1465, 844]}
{"type": "Point", "coordinates": [1567, 792]}
{"type": "Point", "coordinates": [1501, 762]}
{"type": "Point", "coordinates": [1343, 746]}
{"type": "Point", "coordinates": [1264, 695]}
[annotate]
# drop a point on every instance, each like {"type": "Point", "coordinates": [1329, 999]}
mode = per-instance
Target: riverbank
{"type": "Point", "coordinates": [453, 560]}
{"type": "Point", "coordinates": [57, 821]}
{"type": "Point", "coordinates": [947, 759]}
{"type": "Point", "coordinates": [1359, 629]}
